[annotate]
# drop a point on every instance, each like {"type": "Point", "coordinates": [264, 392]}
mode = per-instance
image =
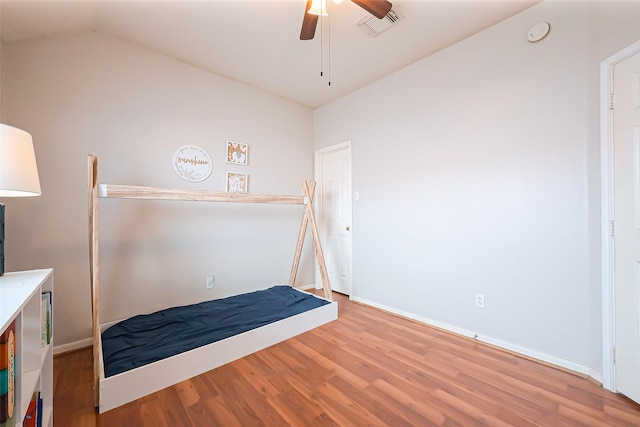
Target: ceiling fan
{"type": "Point", "coordinates": [378, 8]}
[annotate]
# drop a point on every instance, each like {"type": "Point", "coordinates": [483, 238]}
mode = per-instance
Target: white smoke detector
{"type": "Point", "coordinates": [538, 32]}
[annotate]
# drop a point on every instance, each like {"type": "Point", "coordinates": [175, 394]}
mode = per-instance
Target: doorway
{"type": "Point", "coordinates": [335, 209]}
{"type": "Point", "coordinates": [621, 221]}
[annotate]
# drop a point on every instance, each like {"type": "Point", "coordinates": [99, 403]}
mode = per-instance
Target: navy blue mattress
{"type": "Point", "coordinates": [151, 337]}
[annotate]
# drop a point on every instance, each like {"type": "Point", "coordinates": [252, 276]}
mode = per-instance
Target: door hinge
{"type": "Point", "coordinates": [610, 101]}
{"type": "Point", "coordinates": [612, 228]}
{"type": "Point", "coordinates": [613, 354]}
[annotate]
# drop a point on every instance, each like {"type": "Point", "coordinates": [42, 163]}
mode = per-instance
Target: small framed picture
{"type": "Point", "coordinates": [237, 182]}
{"type": "Point", "coordinates": [237, 153]}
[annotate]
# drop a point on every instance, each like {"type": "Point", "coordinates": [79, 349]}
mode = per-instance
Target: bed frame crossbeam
{"type": "Point", "coordinates": [150, 193]}
{"type": "Point", "coordinates": [97, 191]}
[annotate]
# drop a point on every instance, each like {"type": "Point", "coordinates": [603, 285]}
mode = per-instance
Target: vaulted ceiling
{"type": "Point", "coordinates": [256, 42]}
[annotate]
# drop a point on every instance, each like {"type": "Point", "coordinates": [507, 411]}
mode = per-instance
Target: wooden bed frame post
{"type": "Point", "coordinates": [300, 243]}
{"type": "Point", "coordinates": [94, 272]}
{"type": "Point", "coordinates": [308, 190]}
{"type": "Point", "coordinates": [326, 285]}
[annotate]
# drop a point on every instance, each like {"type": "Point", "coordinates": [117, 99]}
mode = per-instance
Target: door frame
{"type": "Point", "coordinates": [608, 247]}
{"type": "Point", "coordinates": [319, 174]}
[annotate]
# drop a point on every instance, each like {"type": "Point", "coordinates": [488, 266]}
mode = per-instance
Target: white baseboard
{"type": "Point", "coordinates": [76, 345]}
{"type": "Point", "coordinates": [533, 354]}
{"type": "Point", "coordinates": [596, 376]}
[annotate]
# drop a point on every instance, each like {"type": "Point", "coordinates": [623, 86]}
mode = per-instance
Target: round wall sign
{"type": "Point", "coordinates": [192, 163]}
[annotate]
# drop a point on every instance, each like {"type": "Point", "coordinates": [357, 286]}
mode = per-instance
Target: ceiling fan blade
{"type": "Point", "coordinates": [309, 23]}
{"type": "Point", "coordinates": [378, 8]}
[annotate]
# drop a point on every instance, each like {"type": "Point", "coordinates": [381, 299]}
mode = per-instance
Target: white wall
{"type": "Point", "coordinates": [88, 93]}
{"type": "Point", "coordinates": [1, 48]}
{"type": "Point", "coordinates": [478, 170]}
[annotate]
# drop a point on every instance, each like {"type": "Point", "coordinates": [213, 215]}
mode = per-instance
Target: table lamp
{"type": "Point", "coordinates": [18, 171]}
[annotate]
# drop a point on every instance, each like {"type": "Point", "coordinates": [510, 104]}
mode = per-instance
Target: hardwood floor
{"type": "Point", "coordinates": [368, 368]}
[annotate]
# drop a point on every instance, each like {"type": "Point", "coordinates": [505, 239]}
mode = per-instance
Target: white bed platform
{"type": "Point", "coordinates": [111, 392]}
{"type": "Point", "coordinates": [136, 383]}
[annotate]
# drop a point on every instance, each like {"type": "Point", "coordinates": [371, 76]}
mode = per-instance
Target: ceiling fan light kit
{"type": "Point", "coordinates": [316, 8]}
{"type": "Point", "coordinates": [319, 7]}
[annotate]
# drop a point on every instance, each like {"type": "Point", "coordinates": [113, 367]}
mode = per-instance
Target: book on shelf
{"type": "Point", "coordinates": [39, 414]}
{"type": "Point", "coordinates": [45, 313]}
{"type": "Point", "coordinates": [33, 417]}
{"type": "Point", "coordinates": [8, 352]}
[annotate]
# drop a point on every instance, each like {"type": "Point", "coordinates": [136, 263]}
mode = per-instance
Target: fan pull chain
{"type": "Point", "coordinates": [321, 45]}
{"type": "Point", "coordinates": [329, 49]}
{"type": "Point", "coordinates": [321, 18]}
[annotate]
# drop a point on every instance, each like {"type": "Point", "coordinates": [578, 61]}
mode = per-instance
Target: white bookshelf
{"type": "Point", "coordinates": [20, 299]}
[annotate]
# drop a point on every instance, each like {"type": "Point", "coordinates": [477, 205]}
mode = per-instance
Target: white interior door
{"type": "Point", "coordinates": [333, 166]}
{"type": "Point", "coordinates": [626, 158]}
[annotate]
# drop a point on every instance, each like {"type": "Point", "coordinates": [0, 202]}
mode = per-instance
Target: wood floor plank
{"type": "Point", "coordinates": [257, 377]}
{"type": "Point", "coordinates": [487, 403]}
{"type": "Point", "coordinates": [219, 413]}
{"type": "Point", "coordinates": [528, 408]}
{"type": "Point", "coordinates": [618, 416]}
{"type": "Point", "coordinates": [466, 412]}
{"type": "Point", "coordinates": [364, 397]}
{"type": "Point", "coordinates": [187, 393]}
{"type": "Point", "coordinates": [296, 408]}
{"type": "Point", "coordinates": [368, 368]}
{"type": "Point", "coordinates": [200, 414]}
{"type": "Point", "coordinates": [345, 408]}
{"type": "Point", "coordinates": [418, 403]}
{"type": "Point", "coordinates": [264, 412]}
{"type": "Point", "coordinates": [228, 384]}
{"type": "Point", "coordinates": [336, 368]}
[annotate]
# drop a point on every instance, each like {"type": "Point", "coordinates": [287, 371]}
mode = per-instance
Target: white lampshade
{"type": "Point", "coordinates": [18, 168]}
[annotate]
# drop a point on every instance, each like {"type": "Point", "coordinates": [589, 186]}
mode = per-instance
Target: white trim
{"type": "Point", "coordinates": [608, 367]}
{"type": "Point", "coordinates": [319, 207]}
{"type": "Point", "coordinates": [309, 286]}
{"type": "Point", "coordinates": [533, 354]}
{"type": "Point", "coordinates": [72, 346]}
{"type": "Point", "coordinates": [608, 280]}
{"type": "Point", "coordinates": [595, 375]}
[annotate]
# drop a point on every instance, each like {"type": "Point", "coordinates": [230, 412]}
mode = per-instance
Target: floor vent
{"type": "Point", "coordinates": [374, 26]}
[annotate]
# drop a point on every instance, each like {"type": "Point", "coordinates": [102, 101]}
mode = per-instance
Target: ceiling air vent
{"type": "Point", "coordinates": [374, 26]}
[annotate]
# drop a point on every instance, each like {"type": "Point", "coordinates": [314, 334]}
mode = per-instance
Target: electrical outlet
{"type": "Point", "coordinates": [480, 300]}
{"type": "Point", "coordinates": [210, 281]}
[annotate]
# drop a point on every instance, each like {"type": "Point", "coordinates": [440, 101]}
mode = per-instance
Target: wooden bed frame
{"type": "Point", "coordinates": [111, 392]}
